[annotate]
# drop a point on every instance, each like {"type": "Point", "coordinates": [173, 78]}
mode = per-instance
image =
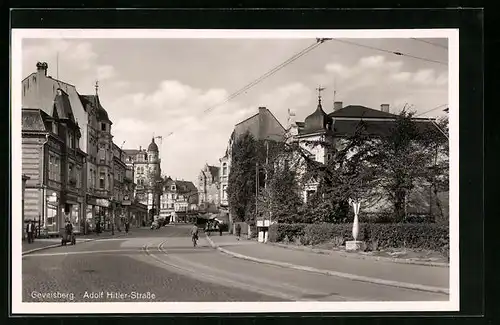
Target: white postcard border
{"type": "Point", "coordinates": [19, 307]}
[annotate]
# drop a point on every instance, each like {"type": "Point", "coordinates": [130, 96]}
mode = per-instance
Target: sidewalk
{"type": "Point", "coordinates": [43, 243]}
{"type": "Point", "coordinates": [336, 263]}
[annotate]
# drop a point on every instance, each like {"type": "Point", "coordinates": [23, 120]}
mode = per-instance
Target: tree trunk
{"type": "Point", "coordinates": [399, 205]}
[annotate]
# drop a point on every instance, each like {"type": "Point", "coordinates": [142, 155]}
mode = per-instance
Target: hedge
{"type": "Point", "coordinates": [379, 235]}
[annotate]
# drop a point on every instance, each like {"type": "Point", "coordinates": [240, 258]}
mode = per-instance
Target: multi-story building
{"type": "Point", "coordinates": [209, 189]}
{"type": "Point", "coordinates": [340, 123]}
{"type": "Point", "coordinates": [262, 126]}
{"type": "Point", "coordinates": [38, 92]}
{"type": "Point", "coordinates": [121, 199]}
{"type": "Point", "coordinates": [179, 200]}
{"type": "Point", "coordinates": [146, 164]}
{"type": "Point", "coordinates": [99, 162]}
{"type": "Point", "coordinates": [54, 162]}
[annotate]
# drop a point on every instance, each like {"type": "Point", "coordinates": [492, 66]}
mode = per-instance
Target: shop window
{"type": "Point", "coordinates": [102, 181]}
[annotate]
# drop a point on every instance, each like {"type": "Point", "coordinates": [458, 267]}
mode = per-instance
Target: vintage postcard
{"type": "Point", "coordinates": [212, 171]}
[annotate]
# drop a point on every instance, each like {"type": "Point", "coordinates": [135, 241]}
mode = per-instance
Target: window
{"type": "Point", "coordinates": [109, 182]}
{"type": "Point", "coordinates": [54, 128]}
{"type": "Point", "coordinates": [71, 143]}
{"type": "Point", "coordinates": [78, 177]}
{"type": "Point", "coordinates": [224, 169]}
{"type": "Point", "coordinates": [71, 174]}
{"type": "Point", "coordinates": [102, 181]}
{"type": "Point", "coordinates": [173, 189]}
{"type": "Point", "coordinates": [103, 126]}
{"type": "Point", "coordinates": [224, 192]}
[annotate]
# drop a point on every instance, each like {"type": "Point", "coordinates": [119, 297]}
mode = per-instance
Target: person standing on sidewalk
{"type": "Point", "coordinates": [29, 231]}
{"type": "Point", "coordinates": [238, 231]}
{"type": "Point", "coordinates": [219, 225]}
{"type": "Point", "coordinates": [126, 226]}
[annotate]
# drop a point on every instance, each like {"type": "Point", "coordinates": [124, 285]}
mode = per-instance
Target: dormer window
{"type": "Point", "coordinates": [103, 126]}
{"type": "Point", "coordinates": [54, 128]}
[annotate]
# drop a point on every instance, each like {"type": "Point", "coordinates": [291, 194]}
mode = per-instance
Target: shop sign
{"type": "Point", "coordinates": [102, 203]}
{"type": "Point", "coordinates": [126, 202]}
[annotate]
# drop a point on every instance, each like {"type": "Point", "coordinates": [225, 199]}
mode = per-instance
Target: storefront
{"type": "Point", "coordinates": [52, 211]}
{"type": "Point", "coordinates": [102, 214]}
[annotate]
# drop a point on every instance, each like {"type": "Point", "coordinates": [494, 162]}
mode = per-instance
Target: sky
{"type": "Point", "coordinates": [174, 87]}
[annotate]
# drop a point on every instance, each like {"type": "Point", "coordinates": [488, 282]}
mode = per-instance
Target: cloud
{"type": "Point", "coordinates": [72, 60]}
{"type": "Point", "coordinates": [176, 112]}
{"type": "Point", "coordinates": [105, 72]}
{"type": "Point", "coordinates": [198, 137]}
{"type": "Point", "coordinates": [373, 80]}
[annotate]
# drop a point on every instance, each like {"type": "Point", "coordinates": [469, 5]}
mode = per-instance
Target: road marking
{"type": "Point", "coordinates": [353, 277]}
{"type": "Point", "coordinates": [219, 280]}
{"type": "Point", "coordinates": [297, 291]}
{"type": "Point", "coordinates": [84, 252]}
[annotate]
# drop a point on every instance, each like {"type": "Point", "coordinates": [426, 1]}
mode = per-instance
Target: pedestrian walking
{"type": "Point", "coordinates": [30, 228]}
{"type": "Point", "coordinates": [127, 225]}
{"type": "Point", "coordinates": [220, 229]}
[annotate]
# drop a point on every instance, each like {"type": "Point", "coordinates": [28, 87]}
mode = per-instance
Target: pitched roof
{"type": "Point", "coordinates": [378, 127]}
{"type": "Point", "coordinates": [185, 186]}
{"type": "Point", "coordinates": [101, 113]}
{"type": "Point", "coordinates": [33, 119]}
{"type": "Point", "coordinates": [131, 152]}
{"type": "Point", "coordinates": [62, 106]}
{"type": "Point", "coordinates": [214, 171]}
{"type": "Point", "coordinates": [358, 111]}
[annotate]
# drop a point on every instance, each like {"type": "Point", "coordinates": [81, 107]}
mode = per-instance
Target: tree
{"type": "Point", "coordinates": [280, 198]}
{"type": "Point", "coordinates": [241, 182]}
{"type": "Point", "coordinates": [403, 157]}
{"type": "Point", "coordinates": [347, 175]}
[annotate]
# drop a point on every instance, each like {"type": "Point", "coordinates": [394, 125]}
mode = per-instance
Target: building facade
{"type": "Point", "coordinates": [147, 171]}
{"type": "Point", "coordinates": [262, 126]}
{"type": "Point", "coordinates": [337, 125]}
{"type": "Point", "coordinates": [179, 200]}
{"type": "Point", "coordinates": [209, 189]}
{"type": "Point", "coordinates": [54, 163]}
{"type": "Point", "coordinates": [100, 163]}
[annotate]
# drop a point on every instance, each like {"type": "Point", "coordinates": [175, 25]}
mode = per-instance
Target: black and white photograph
{"type": "Point", "coordinates": [184, 171]}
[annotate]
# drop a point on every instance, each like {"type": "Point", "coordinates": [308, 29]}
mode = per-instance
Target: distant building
{"type": "Point", "coordinates": [146, 164]}
{"type": "Point", "coordinates": [179, 200]}
{"type": "Point", "coordinates": [208, 189]}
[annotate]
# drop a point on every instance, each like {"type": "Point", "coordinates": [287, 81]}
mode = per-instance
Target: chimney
{"type": "Point", "coordinates": [41, 67]}
{"type": "Point", "coordinates": [337, 106]}
{"type": "Point", "coordinates": [384, 108]}
{"type": "Point", "coordinates": [140, 148]}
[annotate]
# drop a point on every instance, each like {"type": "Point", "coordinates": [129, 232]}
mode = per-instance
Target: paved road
{"type": "Point", "coordinates": [162, 265]}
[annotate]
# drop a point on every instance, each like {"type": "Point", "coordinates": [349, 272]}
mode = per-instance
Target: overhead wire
{"type": "Point", "coordinates": [389, 51]}
{"type": "Point", "coordinates": [432, 109]}
{"type": "Point", "coordinates": [430, 43]}
{"type": "Point", "coordinates": [269, 73]}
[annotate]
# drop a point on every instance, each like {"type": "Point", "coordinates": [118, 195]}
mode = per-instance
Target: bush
{"type": "Point", "coordinates": [415, 236]}
{"type": "Point", "coordinates": [278, 232]}
{"type": "Point", "coordinates": [376, 235]}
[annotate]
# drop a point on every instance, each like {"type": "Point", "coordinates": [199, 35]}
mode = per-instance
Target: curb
{"type": "Point", "coordinates": [59, 245]}
{"type": "Point", "coordinates": [334, 273]}
{"type": "Point", "coordinates": [362, 257]}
